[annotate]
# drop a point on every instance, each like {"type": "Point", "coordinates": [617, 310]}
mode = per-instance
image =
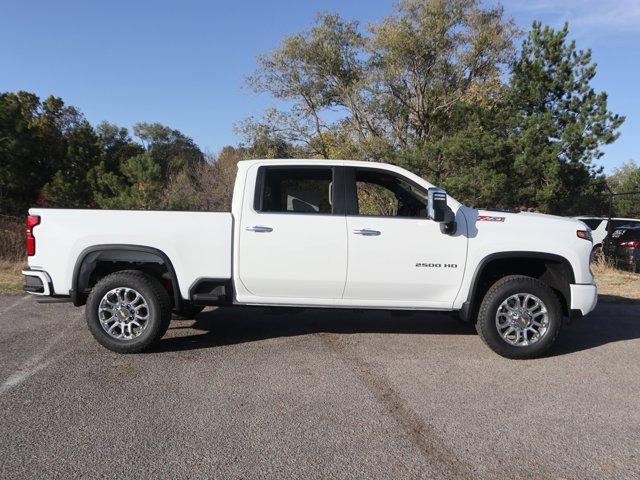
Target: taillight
{"type": "Point", "coordinates": [32, 221]}
{"type": "Point", "coordinates": [634, 244]}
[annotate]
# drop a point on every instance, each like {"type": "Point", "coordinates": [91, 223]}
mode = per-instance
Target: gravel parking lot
{"type": "Point", "coordinates": [259, 393]}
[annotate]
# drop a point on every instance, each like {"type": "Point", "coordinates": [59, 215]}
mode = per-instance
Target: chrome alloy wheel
{"type": "Point", "coordinates": [123, 313]}
{"type": "Point", "coordinates": [522, 319]}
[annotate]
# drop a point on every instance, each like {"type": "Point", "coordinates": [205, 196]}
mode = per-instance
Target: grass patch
{"type": "Point", "coordinates": [614, 284]}
{"type": "Point", "coordinates": [11, 279]}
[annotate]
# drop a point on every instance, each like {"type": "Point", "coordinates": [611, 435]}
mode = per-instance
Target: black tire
{"type": "Point", "coordinates": [187, 311]}
{"type": "Point", "coordinates": [499, 292]}
{"type": "Point", "coordinates": [159, 315]}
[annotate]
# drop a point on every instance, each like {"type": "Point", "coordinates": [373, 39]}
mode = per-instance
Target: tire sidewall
{"type": "Point", "coordinates": [499, 295]}
{"type": "Point", "coordinates": [144, 287]}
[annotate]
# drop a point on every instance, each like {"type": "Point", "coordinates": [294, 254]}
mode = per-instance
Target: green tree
{"type": "Point", "coordinates": [32, 146]}
{"type": "Point", "coordinates": [476, 156]}
{"type": "Point", "coordinates": [139, 187]}
{"type": "Point", "coordinates": [561, 123]}
{"type": "Point", "coordinates": [120, 180]}
{"type": "Point", "coordinates": [262, 141]}
{"type": "Point", "coordinates": [171, 149]}
{"type": "Point", "coordinates": [435, 87]}
{"type": "Point", "coordinates": [69, 187]}
{"type": "Point", "coordinates": [106, 179]}
{"type": "Point", "coordinates": [419, 89]}
{"type": "Point", "coordinates": [625, 180]}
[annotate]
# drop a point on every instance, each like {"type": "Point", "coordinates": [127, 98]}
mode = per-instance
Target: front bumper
{"type": "Point", "coordinates": [584, 298]}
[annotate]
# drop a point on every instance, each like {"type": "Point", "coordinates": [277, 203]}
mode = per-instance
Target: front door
{"type": "Point", "coordinates": [293, 241]}
{"type": "Point", "coordinates": [396, 253]}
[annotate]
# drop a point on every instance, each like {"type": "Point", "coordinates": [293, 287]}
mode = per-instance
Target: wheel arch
{"type": "Point", "coordinates": [552, 269]}
{"type": "Point", "coordinates": [88, 260]}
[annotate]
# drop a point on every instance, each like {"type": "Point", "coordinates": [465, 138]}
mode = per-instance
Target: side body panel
{"type": "Point", "coordinates": [493, 232]}
{"type": "Point", "coordinates": [410, 260]}
{"type": "Point", "coordinates": [385, 273]}
{"type": "Point", "coordinates": [296, 255]}
{"type": "Point", "coordinates": [198, 244]}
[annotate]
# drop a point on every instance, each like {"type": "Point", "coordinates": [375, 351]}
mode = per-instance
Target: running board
{"type": "Point", "coordinates": [208, 299]}
{"type": "Point", "coordinates": [53, 300]}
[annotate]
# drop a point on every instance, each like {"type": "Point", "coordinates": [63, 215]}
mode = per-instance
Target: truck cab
{"type": "Point", "coordinates": [321, 233]}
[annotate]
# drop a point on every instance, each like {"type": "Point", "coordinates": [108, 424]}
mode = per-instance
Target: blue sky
{"type": "Point", "coordinates": [183, 63]}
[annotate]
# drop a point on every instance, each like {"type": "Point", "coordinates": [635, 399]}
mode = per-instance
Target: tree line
{"type": "Point", "coordinates": [450, 90]}
{"type": "Point", "coordinates": [53, 157]}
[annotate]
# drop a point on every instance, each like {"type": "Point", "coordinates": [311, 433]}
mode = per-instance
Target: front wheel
{"type": "Point", "coordinates": [520, 317]}
{"type": "Point", "coordinates": [128, 311]}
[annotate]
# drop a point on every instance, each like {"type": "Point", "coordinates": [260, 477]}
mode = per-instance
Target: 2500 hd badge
{"type": "Point", "coordinates": [437, 265]}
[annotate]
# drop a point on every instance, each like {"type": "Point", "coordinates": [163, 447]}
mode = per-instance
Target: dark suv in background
{"type": "Point", "coordinates": [602, 227]}
{"type": "Point", "coordinates": [622, 247]}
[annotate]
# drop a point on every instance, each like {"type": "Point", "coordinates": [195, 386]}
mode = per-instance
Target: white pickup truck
{"type": "Point", "coordinates": [317, 233]}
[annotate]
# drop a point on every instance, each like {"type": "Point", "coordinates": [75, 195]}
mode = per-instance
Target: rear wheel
{"type": "Point", "coordinates": [128, 311]}
{"type": "Point", "coordinates": [520, 317]}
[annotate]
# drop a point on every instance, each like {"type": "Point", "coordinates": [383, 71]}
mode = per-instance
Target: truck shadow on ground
{"type": "Point", "coordinates": [613, 320]}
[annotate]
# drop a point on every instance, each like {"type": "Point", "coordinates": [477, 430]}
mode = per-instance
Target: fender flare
{"type": "Point", "coordinates": [118, 251]}
{"type": "Point", "coordinates": [469, 304]}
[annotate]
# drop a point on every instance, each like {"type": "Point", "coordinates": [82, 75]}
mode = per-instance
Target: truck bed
{"type": "Point", "coordinates": [198, 243]}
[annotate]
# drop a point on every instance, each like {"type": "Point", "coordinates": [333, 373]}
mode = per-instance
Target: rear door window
{"type": "Point", "coordinates": [295, 190]}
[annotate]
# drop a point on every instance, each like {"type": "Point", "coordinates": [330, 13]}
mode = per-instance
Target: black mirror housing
{"type": "Point", "coordinates": [437, 206]}
{"type": "Point", "coordinates": [439, 211]}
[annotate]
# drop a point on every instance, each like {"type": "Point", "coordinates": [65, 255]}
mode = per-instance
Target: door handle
{"type": "Point", "coordinates": [259, 228]}
{"type": "Point", "coordinates": [367, 233]}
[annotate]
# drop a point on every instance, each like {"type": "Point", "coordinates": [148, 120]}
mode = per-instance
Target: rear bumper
{"type": "Point", "coordinates": [37, 282]}
{"type": "Point", "coordinates": [583, 298]}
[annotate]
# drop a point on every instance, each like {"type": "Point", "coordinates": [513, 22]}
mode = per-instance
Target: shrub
{"type": "Point", "coordinates": [11, 238]}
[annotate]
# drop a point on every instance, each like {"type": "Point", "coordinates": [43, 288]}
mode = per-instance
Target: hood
{"type": "Point", "coordinates": [527, 220]}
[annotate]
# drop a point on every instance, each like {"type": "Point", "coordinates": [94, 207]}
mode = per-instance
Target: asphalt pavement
{"type": "Point", "coordinates": [280, 393]}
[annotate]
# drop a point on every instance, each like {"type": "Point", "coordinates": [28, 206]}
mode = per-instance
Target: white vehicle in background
{"type": "Point", "coordinates": [317, 233]}
{"type": "Point", "coordinates": [602, 226]}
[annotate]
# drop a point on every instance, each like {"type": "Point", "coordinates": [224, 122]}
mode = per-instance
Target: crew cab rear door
{"type": "Point", "coordinates": [397, 256]}
{"type": "Point", "coordinates": [293, 240]}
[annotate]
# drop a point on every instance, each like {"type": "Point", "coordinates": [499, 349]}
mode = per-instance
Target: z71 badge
{"type": "Point", "coordinates": [489, 218]}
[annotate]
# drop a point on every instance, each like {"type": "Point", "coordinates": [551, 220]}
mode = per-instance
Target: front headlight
{"type": "Point", "coordinates": [585, 235]}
